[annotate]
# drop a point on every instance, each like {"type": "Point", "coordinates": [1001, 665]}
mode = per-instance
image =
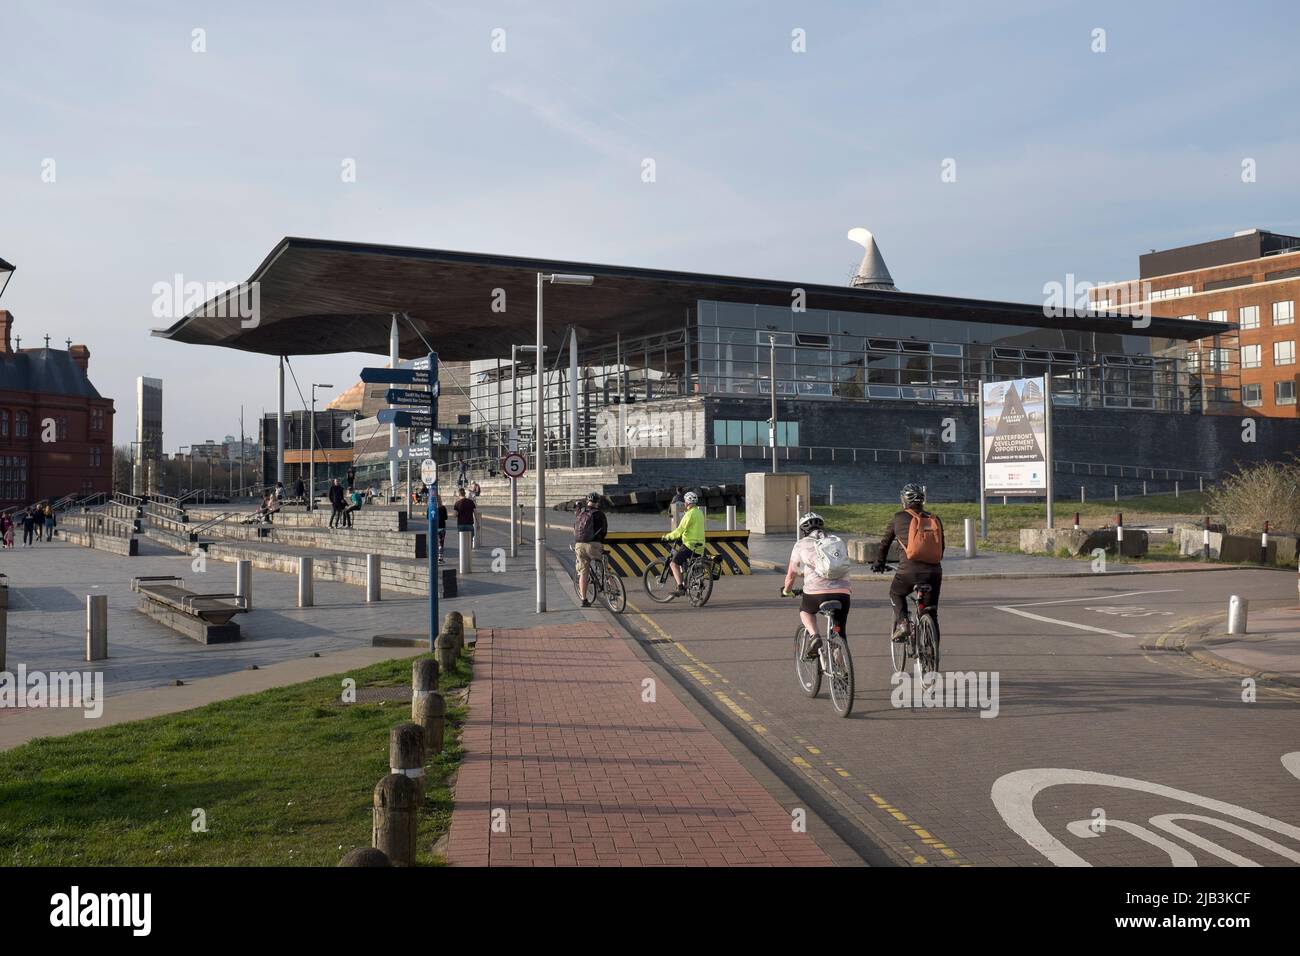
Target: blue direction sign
{"type": "Point", "coordinates": [395, 376]}
{"type": "Point", "coordinates": [412, 453]}
{"type": "Point", "coordinates": [394, 416]}
{"type": "Point", "coordinates": [406, 396]}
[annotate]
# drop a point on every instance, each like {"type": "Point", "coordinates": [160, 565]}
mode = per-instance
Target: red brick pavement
{"type": "Point", "coordinates": [561, 749]}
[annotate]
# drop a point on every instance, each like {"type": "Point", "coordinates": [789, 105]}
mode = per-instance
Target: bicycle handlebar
{"type": "Point", "coordinates": [793, 592]}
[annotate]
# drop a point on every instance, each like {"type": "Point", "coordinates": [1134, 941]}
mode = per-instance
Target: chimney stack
{"type": "Point", "coordinates": [6, 324]}
{"type": "Point", "coordinates": [81, 355]}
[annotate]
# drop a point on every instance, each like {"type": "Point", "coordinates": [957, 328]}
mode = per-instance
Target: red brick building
{"type": "Point", "coordinates": [56, 430]}
{"type": "Point", "coordinates": [1251, 279]}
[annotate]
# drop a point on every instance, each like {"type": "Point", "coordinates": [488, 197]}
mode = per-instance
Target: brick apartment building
{"type": "Point", "coordinates": [1251, 279]}
{"type": "Point", "coordinates": [42, 385]}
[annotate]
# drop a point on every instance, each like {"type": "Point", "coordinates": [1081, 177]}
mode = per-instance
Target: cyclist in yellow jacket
{"type": "Point", "coordinates": [689, 534]}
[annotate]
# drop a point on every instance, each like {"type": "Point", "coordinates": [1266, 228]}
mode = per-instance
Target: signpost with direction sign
{"type": "Point", "coordinates": [423, 414]}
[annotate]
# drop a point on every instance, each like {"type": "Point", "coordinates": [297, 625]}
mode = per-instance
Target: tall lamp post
{"type": "Point", "coordinates": [771, 341]}
{"type": "Point", "coordinates": [311, 490]}
{"type": "Point", "coordinates": [539, 505]}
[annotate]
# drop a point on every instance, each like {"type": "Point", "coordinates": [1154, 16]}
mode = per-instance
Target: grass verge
{"type": "Point", "coordinates": [284, 778]}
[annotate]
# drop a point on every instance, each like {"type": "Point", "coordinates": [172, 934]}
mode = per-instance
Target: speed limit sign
{"type": "Point", "coordinates": [514, 465]}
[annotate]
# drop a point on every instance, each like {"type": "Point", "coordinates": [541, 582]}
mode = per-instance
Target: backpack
{"type": "Point", "coordinates": [584, 526]}
{"type": "Point", "coordinates": [924, 539]}
{"type": "Point", "coordinates": [830, 556]}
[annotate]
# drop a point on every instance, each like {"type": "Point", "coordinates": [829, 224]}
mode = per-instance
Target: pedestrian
{"type": "Point", "coordinates": [442, 527]}
{"type": "Point", "coordinates": [464, 508]}
{"type": "Point", "coordinates": [51, 522]}
{"type": "Point", "coordinates": [300, 492]}
{"type": "Point", "coordinates": [29, 524]}
{"type": "Point", "coordinates": [352, 476]}
{"type": "Point", "coordinates": [676, 506]}
{"type": "Point", "coordinates": [353, 503]}
{"type": "Point", "coordinates": [464, 471]}
{"type": "Point", "coordinates": [40, 523]}
{"type": "Point", "coordinates": [475, 490]}
{"type": "Point", "coordinates": [336, 503]}
{"type": "Point", "coordinates": [589, 528]}
{"type": "Point", "coordinates": [7, 530]}
{"type": "Point", "coordinates": [279, 493]}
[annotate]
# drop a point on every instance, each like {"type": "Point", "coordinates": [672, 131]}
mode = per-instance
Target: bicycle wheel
{"type": "Point", "coordinates": [659, 582]}
{"type": "Point", "coordinates": [613, 593]}
{"type": "Point", "coordinates": [699, 583]}
{"type": "Point", "coordinates": [927, 646]}
{"type": "Point", "coordinates": [809, 672]}
{"type": "Point", "coordinates": [841, 675]}
{"type": "Point", "coordinates": [898, 654]}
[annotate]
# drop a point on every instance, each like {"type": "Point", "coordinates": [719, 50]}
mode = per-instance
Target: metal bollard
{"type": "Point", "coordinates": [96, 627]}
{"type": "Point", "coordinates": [244, 583]}
{"type": "Point", "coordinates": [969, 528]}
{"type": "Point", "coordinates": [394, 829]}
{"type": "Point", "coordinates": [830, 499]}
{"type": "Point", "coordinates": [1263, 545]}
{"type": "Point", "coordinates": [406, 755]}
{"type": "Point", "coordinates": [1117, 492]}
{"type": "Point", "coordinates": [1119, 536]}
{"type": "Point", "coordinates": [465, 553]}
{"type": "Point", "coordinates": [1144, 489]}
{"type": "Point", "coordinates": [1237, 611]}
{"type": "Point", "coordinates": [1082, 497]}
{"type": "Point", "coordinates": [1175, 489]}
{"type": "Point", "coordinates": [306, 597]}
{"type": "Point", "coordinates": [731, 517]}
{"type": "Point", "coordinates": [1205, 539]}
{"type": "Point", "coordinates": [373, 567]}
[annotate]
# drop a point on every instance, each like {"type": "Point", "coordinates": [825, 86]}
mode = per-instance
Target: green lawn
{"type": "Point", "coordinates": [286, 778]}
{"type": "Point", "coordinates": [1005, 521]}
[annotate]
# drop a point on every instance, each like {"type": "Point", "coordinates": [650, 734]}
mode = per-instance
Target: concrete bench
{"type": "Point", "coordinates": [207, 618]}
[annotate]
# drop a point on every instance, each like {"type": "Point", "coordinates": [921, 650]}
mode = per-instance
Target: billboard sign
{"type": "Point", "coordinates": [1014, 446]}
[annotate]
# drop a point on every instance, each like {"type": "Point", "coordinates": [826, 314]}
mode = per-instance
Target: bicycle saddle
{"type": "Point", "coordinates": [828, 607]}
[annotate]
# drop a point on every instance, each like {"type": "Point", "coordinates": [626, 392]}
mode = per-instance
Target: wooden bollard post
{"type": "Point", "coordinates": [455, 623]}
{"type": "Point", "coordinates": [445, 646]}
{"type": "Point", "coordinates": [364, 856]}
{"type": "Point", "coordinates": [395, 819]}
{"type": "Point", "coordinates": [428, 709]}
{"type": "Point", "coordinates": [406, 755]}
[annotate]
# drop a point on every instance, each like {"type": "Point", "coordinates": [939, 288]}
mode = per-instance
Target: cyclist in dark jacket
{"type": "Point", "coordinates": [911, 571]}
{"type": "Point", "coordinates": [589, 529]}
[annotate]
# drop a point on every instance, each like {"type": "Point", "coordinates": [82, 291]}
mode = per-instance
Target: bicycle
{"type": "Point", "coordinates": [603, 582]}
{"type": "Point", "coordinates": [922, 641]}
{"type": "Point", "coordinates": [700, 573]}
{"type": "Point", "coordinates": [832, 658]}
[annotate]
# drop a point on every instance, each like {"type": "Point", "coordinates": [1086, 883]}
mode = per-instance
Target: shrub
{"type": "Point", "coordinates": [1258, 493]}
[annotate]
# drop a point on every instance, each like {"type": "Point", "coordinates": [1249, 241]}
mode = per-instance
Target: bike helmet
{"type": "Point", "coordinates": [913, 495]}
{"type": "Point", "coordinates": [593, 498]}
{"type": "Point", "coordinates": [691, 498]}
{"type": "Point", "coordinates": [809, 523]}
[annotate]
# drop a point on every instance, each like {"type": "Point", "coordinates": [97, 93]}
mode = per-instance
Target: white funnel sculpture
{"type": "Point", "coordinates": [872, 273]}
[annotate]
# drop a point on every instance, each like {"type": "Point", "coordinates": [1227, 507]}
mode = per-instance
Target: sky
{"type": "Point", "coordinates": [992, 148]}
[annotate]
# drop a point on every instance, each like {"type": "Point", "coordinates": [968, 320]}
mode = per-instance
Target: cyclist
{"type": "Point", "coordinates": [589, 529]}
{"type": "Point", "coordinates": [690, 535]}
{"type": "Point", "coordinates": [817, 587]}
{"type": "Point", "coordinates": [920, 534]}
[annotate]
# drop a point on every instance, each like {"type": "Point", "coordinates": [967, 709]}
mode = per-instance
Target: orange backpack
{"type": "Point", "coordinates": [924, 539]}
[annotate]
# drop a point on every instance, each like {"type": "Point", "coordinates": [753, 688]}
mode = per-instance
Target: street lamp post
{"type": "Point", "coordinates": [771, 341]}
{"type": "Point", "coordinates": [539, 505]}
{"type": "Point", "coordinates": [311, 490]}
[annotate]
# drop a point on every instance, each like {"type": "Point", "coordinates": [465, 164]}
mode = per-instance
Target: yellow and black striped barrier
{"type": "Point", "coordinates": [631, 552]}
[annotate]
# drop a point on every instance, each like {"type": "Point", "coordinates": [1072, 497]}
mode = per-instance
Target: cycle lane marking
{"type": "Point", "coordinates": [706, 675]}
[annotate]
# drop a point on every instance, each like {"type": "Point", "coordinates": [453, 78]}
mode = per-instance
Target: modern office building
{"type": "Point", "coordinates": [670, 375]}
{"type": "Point", "coordinates": [333, 445]}
{"type": "Point", "coordinates": [147, 446]}
{"type": "Point", "coordinates": [56, 430]}
{"type": "Point", "coordinates": [1250, 280]}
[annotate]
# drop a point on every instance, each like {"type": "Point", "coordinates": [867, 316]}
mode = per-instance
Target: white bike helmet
{"type": "Point", "coordinates": [691, 498]}
{"type": "Point", "coordinates": [809, 523]}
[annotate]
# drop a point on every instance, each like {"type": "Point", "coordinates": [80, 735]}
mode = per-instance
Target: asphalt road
{"type": "Point", "coordinates": [1136, 755]}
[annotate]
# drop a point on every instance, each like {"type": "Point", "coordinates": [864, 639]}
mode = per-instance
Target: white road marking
{"type": "Point", "coordinates": [1291, 762]}
{"type": "Point", "coordinates": [1013, 795]}
{"type": "Point", "coordinates": [1125, 594]}
{"type": "Point", "coordinates": [1053, 620]}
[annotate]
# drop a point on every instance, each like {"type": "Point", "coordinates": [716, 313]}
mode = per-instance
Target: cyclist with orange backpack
{"type": "Point", "coordinates": [920, 534]}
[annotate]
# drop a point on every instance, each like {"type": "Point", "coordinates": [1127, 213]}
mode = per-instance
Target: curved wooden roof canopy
{"type": "Point", "coordinates": [321, 296]}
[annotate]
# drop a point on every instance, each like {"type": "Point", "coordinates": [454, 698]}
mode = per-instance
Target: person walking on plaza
{"type": "Point", "coordinates": [279, 493]}
{"type": "Point", "coordinates": [442, 527]}
{"type": "Point", "coordinates": [40, 523]}
{"type": "Point", "coordinates": [589, 529]}
{"type": "Point", "coordinates": [352, 476]}
{"type": "Point", "coordinates": [51, 522]}
{"type": "Point", "coordinates": [336, 503]}
{"type": "Point", "coordinates": [300, 492]}
{"type": "Point", "coordinates": [464, 508]}
{"type": "Point", "coordinates": [675, 507]}
{"type": "Point", "coordinates": [464, 471]}
{"type": "Point", "coordinates": [29, 524]}
{"type": "Point", "coordinates": [7, 530]}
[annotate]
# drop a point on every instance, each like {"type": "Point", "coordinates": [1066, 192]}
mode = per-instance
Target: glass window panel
{"type": "Point", "coordinates": [882, 369]}
{"type": "Point", "coordinates": [748, 433]}
{"type": "Point", "coordinates": [719, 432]}
{"type": "Point", "coordinates": [916, 370]}
{"type": "Point", "coordinates": [792, 432]}
{"type": "Point", "coordinates": [733, 433]}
